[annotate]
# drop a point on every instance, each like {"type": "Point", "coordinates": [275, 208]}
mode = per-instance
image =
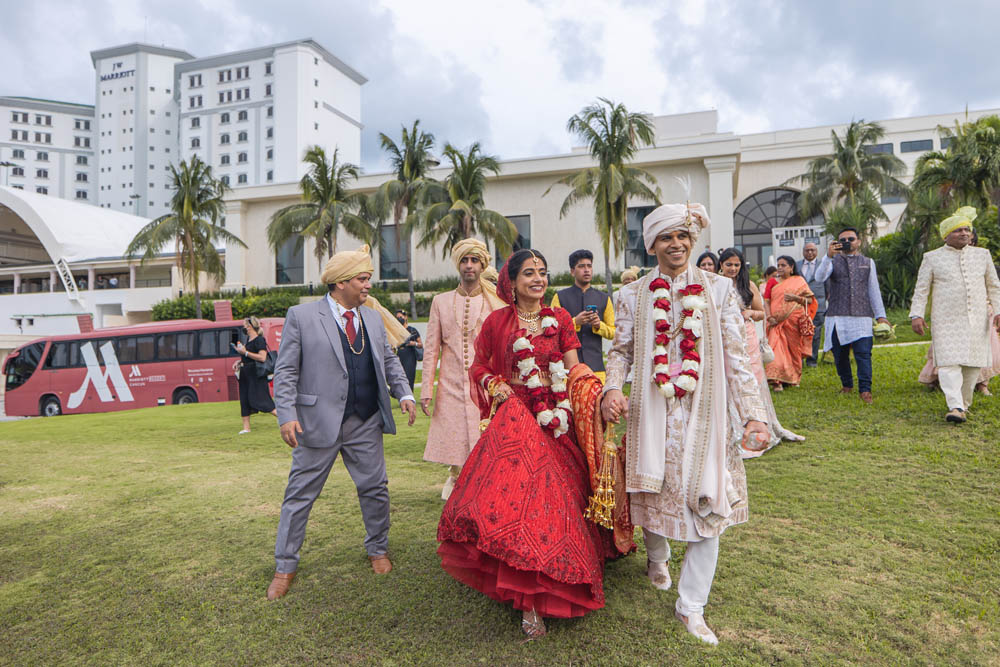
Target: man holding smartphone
{"type": "Point", "coordinates": [853, 299]}
{"type": "Point", "coordinates": [592, 311]}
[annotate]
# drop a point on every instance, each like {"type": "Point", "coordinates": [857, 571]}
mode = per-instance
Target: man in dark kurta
{"type": "Point", "coordinates": [592, 311]}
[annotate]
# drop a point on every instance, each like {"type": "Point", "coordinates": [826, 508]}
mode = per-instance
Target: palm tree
{"type": "Point", "coordinates": [458, 210]}
{"type": "Point", "coordinates": [411, 160]}
{"type": "Point", "coordinates": [853, 167]}
{"type": "Point", "coordinates": [968, 171]}
{"type": "Point", "coordinates": [194, 225]}
{"type": "Point", "coordinates": [613, 135]}
{"type": "Point", "coordinates": [327, 205]}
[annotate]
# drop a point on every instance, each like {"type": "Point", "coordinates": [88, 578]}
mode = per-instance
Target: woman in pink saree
{"type": "Point", "coordinates": [790, 330]}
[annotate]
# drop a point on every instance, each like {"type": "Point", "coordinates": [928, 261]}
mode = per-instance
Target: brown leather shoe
{"type": "Point", "coordinates": [381, 564]}
{"type": "Point", "coordinates": [866, 396]}
{"type": "Point", "coordinates": [846, 390]}
{"type": "Point", "coordinates": [279, 585]}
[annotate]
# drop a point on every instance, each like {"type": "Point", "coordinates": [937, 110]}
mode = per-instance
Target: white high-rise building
{"type": "Point", "coordinates": [252, 114]}
{"type": "Point", "coordinates": [136, 126]}
{"type": "Point", "coordinates": [47, 147]}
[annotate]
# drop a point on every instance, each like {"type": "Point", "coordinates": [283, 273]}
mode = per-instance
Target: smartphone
{"type": "Point", "coordinates": [592, 309]}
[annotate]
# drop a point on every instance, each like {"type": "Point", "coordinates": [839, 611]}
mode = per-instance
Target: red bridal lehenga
{"type": "Point", "coordinates": [514, 526]}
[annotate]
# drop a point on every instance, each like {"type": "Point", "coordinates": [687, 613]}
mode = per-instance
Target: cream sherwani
{"type": "Point", "coordinates": [454, 323]}
{"type": "Point", "coordinates": [961, 284]}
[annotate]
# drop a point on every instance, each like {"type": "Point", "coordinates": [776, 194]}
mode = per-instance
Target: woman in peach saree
{"type": "Point", "coordinates": [790, 331]}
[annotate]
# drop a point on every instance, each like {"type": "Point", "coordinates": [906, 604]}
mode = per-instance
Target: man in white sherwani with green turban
{"type": "Point", "coordinates": [963, 281]}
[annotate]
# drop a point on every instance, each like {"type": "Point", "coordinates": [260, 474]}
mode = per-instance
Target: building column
{"type": "Point", "coordinates": [721, 188]}
{"type": "Point", "coordinates": [236, 255]}
{"type": "Point", "coordinates": [131, 276]}
{"type": "Point", "coordinates": [53, 278]}
{"type": "Point", "coordinates": [91, 277]}
{"type": "Point", "coordinates": [17, 283]}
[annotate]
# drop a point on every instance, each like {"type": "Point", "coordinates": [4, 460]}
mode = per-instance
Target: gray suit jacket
{"type": "Point", "coordinates": [310, 375]}
{"type": "Point", "coordinates": [818, 288]}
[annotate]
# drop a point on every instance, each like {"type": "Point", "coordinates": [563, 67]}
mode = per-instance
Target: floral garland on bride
{"type": "Point", "coordinates": [694, 306]}
{"type": "Point", "coordinates": [550, 405]}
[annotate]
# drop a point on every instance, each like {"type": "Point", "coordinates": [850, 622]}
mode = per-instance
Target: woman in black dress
{"type": "Point", "coordinates": [254, 393]}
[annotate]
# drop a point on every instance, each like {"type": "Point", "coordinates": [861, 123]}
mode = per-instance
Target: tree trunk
{"type": "Point", "coordinates": [607, 271]}
{"type": "Point", "coordinates": [409, 278]}
{"type": "Point", "coordinates": [197, 302]}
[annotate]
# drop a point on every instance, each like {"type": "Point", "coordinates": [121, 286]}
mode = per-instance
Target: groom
{"type": "Point", "coordinates": [334, 363]}
{"type": "Point", "coordinates": [679, 330]}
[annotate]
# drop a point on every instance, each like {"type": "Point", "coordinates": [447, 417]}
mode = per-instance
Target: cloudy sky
{"type": "Point", "coordinates": [509, 73]}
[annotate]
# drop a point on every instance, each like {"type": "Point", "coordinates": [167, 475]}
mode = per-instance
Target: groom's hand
{"type": "Point", "coordinates": [288, 431]}
{"type": "Point", "coordinates": [614, 405]}
{"type": "Point", "coordinates": [410, 408]}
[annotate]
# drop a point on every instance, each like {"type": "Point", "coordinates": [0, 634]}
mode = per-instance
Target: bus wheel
{"type": "Point", "coordinates": [185, 397]}
{"type": "Point", "coordinates": [50, 407]}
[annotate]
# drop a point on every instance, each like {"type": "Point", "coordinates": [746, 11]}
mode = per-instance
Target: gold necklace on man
{"type": "Point", "coordinates": [361, 334]}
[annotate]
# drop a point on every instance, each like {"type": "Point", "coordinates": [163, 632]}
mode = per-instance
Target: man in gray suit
{"type": "Point", "coordinates": [806, 268]}
{"type": "Point", "coordinates": [330, 388]}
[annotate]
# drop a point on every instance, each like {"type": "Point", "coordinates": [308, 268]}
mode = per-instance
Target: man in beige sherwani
{"type": "Point", "coordinates": [684, 472]}
{"type": "Point", "coordinates": [964, 281]}
{"type": "Point", "coordinates": [455, 320]}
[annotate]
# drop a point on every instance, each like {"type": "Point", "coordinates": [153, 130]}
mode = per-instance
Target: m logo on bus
{"type": "Point", "coordinates": [112, 372]}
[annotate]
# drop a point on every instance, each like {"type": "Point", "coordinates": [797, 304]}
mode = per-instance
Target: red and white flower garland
{"type": "Point", "coordinates": [550, 405]}
{"type": "Point", "coordinates": [694, 306]}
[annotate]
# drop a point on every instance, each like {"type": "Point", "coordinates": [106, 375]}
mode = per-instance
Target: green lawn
{"type": "Point", "coordinates": [146, 537]}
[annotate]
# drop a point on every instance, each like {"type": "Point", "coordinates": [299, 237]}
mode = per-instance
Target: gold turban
{"type": "Point", "coordinates": [347, 264]}
{"type": "Point", "coordinates": [632, 273]}
{"type": "Point", "coordinates": [963, 217]}
{"type": "Point", "coordinates": [352, 263]}
{"type": "Point", "coordinates": [478, 249]}
{"type": "Point", "coordinates": [490, 274]}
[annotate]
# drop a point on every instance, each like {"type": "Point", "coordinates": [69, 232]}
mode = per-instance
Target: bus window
{"type": "Point", "coordinates": [166, 347]}
{"type": "Point", "coordinates": [228, 338]}
{"type": "Point", "coordinates": [58, 356]}
{"type": "Point", "coordinates": [144, 348]}
{"type": "Point", "coordinates": [208, 343]}
{"type": "Point", "coordinates": [185, 345]}
{"type": "Point", "coordinates": [127, 353]}
{"type": "Point", "coordinates": [21, 367]}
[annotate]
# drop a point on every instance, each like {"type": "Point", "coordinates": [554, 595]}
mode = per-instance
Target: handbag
{"type": "Point", "coordinates": [806, 326]}
{"type": "Point", "coordinates": [766, 353]}
{"type": "Point", "coordinates": [266, 368]}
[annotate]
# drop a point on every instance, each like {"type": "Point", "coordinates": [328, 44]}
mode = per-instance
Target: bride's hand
{"type": "Point", "coordinates": [502, 392]}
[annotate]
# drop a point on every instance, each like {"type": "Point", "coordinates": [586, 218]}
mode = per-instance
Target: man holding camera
{"type": "Point", "coordinates": [592, 311]}
{"type": "Point", "coordinates": [853, 299]}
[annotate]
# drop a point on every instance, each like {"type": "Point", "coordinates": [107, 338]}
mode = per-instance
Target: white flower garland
{"type": "Point", "coordinates": [557, 418]}
{"type": "Point", "coordinates": [692, 326]}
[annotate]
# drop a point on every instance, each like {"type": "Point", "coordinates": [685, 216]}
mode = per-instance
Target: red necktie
{"type": "Point", "coordinates": [349, 329]}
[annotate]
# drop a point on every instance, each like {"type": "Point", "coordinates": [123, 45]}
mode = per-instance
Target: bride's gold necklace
{"type": "Point", "coordinates": [530, 319]}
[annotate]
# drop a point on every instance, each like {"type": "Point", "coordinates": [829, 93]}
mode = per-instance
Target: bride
{"type": "Point", "coordinates": [514, 526]}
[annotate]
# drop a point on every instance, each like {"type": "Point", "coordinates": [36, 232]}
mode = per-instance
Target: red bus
{"type": "Point", "coordinates": [121, 368]}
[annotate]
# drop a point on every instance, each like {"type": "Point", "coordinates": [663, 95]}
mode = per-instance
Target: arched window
{"type": "Point", "coordinates": [758, 214]}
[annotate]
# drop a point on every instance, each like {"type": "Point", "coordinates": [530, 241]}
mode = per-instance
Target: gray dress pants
{"type": "Point", "coordinates": [360, 444]}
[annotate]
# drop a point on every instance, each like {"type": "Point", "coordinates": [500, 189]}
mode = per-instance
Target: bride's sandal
{"type": "Point", "coordinates": [533, 626]}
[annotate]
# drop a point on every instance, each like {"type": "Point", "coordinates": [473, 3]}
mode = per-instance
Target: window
{"type": "Point", "coordinates": [523, 225]}
{"type": "Point", "coordinates": [41, 173]}
{"type": "Point", "coordinates": [208, 343]}
{"type": "Point", "coordinates": [289, 262]}
{"type": "Point", "coordinates": [241, 157]}
{"type": "Point", "coordinates": [270, 112]}
{"type": "Point", "coordinates": [875, 149]}
{"type": "Point", "coordinates": [81, 177]}
{"type": "Point", "coordinates": [892, 199]}
{"type": "Point", "coordinates": [753, 221]}
{"type": "Point", "coordinates": [270, 176]}
{"type": "Point", "coordinates": [946, 142]}
{"type": "Point", "coordinates": [315, 104]}
{"type": "Point", "coordinates": [194, 81]}
{"type": "Point", "coordinates": [242, 94]}
{"type": "Point", "coordinates": [17, 171]}
{"type": "Point", "coordinates": [267, 68]}
{"type": "Point", "coordinates": [241, 115]}
{"type": "Point", "coordinates": [242, 136]}
{"type": "Point", "coordinates": [270, 153]}
{"type": "Point", "coordinates": [316, 83]}
{"type": "Point", "coordinates": [267, 90]}
{"type": "Point", "coordinates": [81, 194]}
{"type": "Point", "coordinates": [175, 346]}
{"type": "Point", "coordinates": [225, 180]}
{"type": "Point", "coordinates": [224, 118]}
{"type": "Point", "coordinates": [135, 349]}
{"type": "Point", "coordinates": [920, 146]}
{"type": "Point", "coordinates": [195, 142]}
{"type": "Point", "coordinates": [42, 190]}
{"type": "Point", "coordinates": [42, 156]}
{"type": "Point", "coordinates": [22, 135]}
{"type": "Point", "coordinates": [63, 355]}
{"type": "Point", "coordinates": [81, 159]}
{"type": "Point", "coordinates": [243, 72]}
{"type": "Point", "coordinates": [222, 98]}
{"type": "Point", "coordinates": [315, 61]}
{"type": "Point", "coordinates": [270, 133]}
{"type": "Point", "coordinates": [195, 101]}
{"type": "Point", "coordinates": [81, 142]}
{"type": "Point", "coordinates": [195, 121]}
{"type": "Point", "coordinates": [242, 178]}
{"type": "Point", "coordinates": [18, 154]}
{"type": "Point", "coordinates": [224, 159]}
{"type": "Point", "coordinates": [81, 124]}
{"type": "Point", "coordinates": [225, 75]}
{"type": "Point", "coordinates": [392, 254]}
{"type": "Point", "coordinates": [224, 139]}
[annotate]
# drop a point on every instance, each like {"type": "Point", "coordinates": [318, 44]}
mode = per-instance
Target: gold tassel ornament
{"type": "Point", "coordinates": [602, 504]}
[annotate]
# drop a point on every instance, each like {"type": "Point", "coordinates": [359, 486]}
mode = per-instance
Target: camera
{"type": "Point", "coordinates": [844, 246]}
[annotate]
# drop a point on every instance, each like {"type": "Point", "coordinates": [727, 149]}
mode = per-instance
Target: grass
{"type": "Point", "coordinates": [145, 537]}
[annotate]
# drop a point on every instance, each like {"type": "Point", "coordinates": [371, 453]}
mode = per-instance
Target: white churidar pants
{"type": "Point", "coordinates": [697, 570]}
{"type": "Point", "coordinates": [958, 383]}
